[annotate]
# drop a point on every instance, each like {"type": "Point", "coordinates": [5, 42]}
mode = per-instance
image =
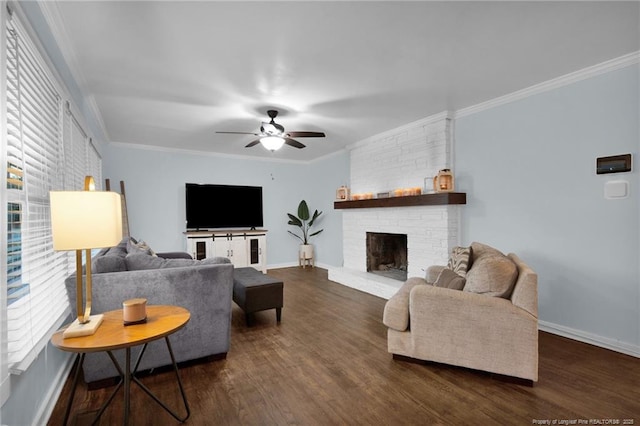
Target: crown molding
{"type": "Point", "coordinates": [567, 79]}
{"type": "Point", "coordinates": [54, 20]}
{"type": "Point", "coordinates": [444, 115]}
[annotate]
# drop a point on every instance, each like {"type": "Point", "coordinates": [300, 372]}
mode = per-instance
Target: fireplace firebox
{"type": "Point", "coordinates": [387, 255]}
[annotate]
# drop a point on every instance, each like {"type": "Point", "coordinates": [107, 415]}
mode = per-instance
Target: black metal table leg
{"type": "Point", "coordinates": [156, 399]}
{"type": "Point", "coordinates": [114, 392]}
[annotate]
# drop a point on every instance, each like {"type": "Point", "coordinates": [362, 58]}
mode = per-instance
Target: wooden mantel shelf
{"type": "Point", "coordinates": [443, 198]}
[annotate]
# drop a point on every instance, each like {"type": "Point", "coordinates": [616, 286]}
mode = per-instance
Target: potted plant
{"type": "Point", "coordinates": [304, 221]}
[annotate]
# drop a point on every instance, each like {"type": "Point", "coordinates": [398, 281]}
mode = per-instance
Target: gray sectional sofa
{"type": "Point", "coordinates": [132, 270]}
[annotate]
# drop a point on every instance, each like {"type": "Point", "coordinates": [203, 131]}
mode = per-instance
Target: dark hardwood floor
{"type": "Point", "coordinates": [327, 364]}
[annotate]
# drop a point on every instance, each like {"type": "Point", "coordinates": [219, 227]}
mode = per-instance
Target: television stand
{"type": "Point", "coordinates": [244, 247]}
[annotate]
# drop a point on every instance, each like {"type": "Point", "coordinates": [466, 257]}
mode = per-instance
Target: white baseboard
{"type": "Point", "coordinates": [592, 339]}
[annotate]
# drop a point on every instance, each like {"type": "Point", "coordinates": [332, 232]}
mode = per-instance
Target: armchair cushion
{"type": "Point", "coordinates": [492, 275]}
{"type": "Point", "coordinates": [433, 272]}
{"type": "Point", "coordinates": [450, 279]}
{"type": "Point", "coordinates": [479, 250]}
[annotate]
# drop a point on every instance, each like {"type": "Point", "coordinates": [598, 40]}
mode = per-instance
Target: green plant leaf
{"type": "Point", "coordinates": [296, 235]}
{"type": "Point", "coordinates": [294, 220]}
{"type": "Point", "coordinates": [315, 216]}
{"type": "Point", "coordinates": [303, 210]}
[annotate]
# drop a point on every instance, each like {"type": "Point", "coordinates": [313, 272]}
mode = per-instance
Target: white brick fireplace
{"type": "Point", "coordinates": [401, 158]}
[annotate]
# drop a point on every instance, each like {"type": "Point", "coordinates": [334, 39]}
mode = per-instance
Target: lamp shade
{"type": "Point", "coordinates": [272, 143]}
{"type": "Point", "coordinates": [85, 219]}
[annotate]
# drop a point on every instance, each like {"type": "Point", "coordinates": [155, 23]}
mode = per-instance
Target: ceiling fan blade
{"type": "Point", "coordinates": [293, 143]}
{"type": "Point", "coordinates": [241, 133]}
{"type": "Point", "coordinates": [306, 135]}
{"type": "Point", "coordinates": [253, 143]}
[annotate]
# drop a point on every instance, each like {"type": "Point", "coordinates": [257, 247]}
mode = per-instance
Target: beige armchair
{"type": "Point", "coordinates": [467, 329]}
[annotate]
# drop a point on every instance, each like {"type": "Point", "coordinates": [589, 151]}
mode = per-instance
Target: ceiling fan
{"type": "Point", "coordinates": [272, 135]}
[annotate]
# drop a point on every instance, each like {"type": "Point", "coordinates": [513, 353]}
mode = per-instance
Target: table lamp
{"type": "Point", "coordinates": [85, 220]}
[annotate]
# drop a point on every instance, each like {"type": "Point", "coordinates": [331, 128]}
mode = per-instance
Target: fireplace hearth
{"type": "Point", "coordinates": [387, 255]}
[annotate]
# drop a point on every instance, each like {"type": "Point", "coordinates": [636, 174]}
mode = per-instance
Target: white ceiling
{"type": "Point", "coordinates": [172, 73]}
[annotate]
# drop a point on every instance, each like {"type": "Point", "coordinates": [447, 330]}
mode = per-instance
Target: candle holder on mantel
{"type": "Point", "coordinates": [342, 193]}
{"type": "Point", "coordinates": [444, 181]}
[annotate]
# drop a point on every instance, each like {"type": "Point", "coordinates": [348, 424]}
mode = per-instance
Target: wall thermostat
{"type": "Point", "coordinates": [616, 189]}
{"type": "Point", "coordinates": [613, 164]}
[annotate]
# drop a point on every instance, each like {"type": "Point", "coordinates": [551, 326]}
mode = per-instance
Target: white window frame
{"type": "Point", "coordinates": [5, 382]}
{"type": "Point", "coordinates": [71, 123]}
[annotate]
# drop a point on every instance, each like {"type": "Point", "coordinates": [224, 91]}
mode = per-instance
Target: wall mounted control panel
{"type": "Point", "coordinates": [613, 164]}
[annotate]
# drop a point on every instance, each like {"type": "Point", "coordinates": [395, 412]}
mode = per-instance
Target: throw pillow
{"type": "Point", "coordinates": [492, 275]}
{"type": "Point", "coordinates": [460, 260]}
{"type": "Point", "coordinates": [117, 251]}
{"type": "Point", "coordinates": [103, 264]}
{"type": "Point", "coordinates": [134, 246]}
{"type": "Point", "coordinates": [450, 279]}
{"type": "Point", "coordinates": [480, 250]}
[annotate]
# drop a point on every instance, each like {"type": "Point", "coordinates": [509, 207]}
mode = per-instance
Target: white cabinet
{"type": "Point", "coordinates": [233, 247]}
{"type": "Point", "coordinates": [243, 248]}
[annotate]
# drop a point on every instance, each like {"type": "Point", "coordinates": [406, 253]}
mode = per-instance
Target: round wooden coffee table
{"type": "Point", "coordinates": [162, 321]}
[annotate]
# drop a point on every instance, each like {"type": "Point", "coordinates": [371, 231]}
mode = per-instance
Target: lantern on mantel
{"type": "Point", "coordinates": [342, 193]}
{"type": "Point", "coordinates": [444, 181]}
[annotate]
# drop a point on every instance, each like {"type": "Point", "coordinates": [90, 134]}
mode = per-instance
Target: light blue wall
{"type": "Point", "coordinates": [31, 391]}
{"type": "Point", "coordinates": [154, 182]}
{"type": "Point", "coordinates": [528, 168]}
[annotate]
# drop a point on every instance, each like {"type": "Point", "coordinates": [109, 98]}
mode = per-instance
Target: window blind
{"type": "Point", "coordinates": [41, 143]}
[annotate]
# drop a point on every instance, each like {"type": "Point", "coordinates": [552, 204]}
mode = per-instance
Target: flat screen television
{"type": "Point", "coordinates": [223, 206]}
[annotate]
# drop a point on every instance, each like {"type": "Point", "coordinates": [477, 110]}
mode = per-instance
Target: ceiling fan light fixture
{"type": "Point", "coordinates": [272, 143]}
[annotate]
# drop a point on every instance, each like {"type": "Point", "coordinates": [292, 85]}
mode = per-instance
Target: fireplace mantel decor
{"type": "Point", "coordinates": [440, 199]}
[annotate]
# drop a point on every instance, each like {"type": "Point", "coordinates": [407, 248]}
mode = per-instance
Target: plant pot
{"type": "Point", "coordinates": [306, 251]}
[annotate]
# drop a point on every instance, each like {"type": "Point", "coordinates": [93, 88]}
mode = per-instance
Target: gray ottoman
{"type": "Point", "coordinates": [254, 291]}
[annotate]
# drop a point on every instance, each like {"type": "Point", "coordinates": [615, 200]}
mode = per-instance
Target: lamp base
{"type": "Point", "coordinates": [76, 329]}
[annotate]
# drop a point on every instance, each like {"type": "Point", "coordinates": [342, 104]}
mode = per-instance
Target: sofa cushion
{"type": "Point", "coordinates": [142, 261]}
{"type": "Point", "coordinates": [103, 264]}
{"type": "Point", "coordinates": [450, 279]}
{"type": "Point", "coordinates": [492, 275]}
{"type": "Point", "coordinates": [460, 260]}
{"type": "Point", "coordinates": [479, 250]}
